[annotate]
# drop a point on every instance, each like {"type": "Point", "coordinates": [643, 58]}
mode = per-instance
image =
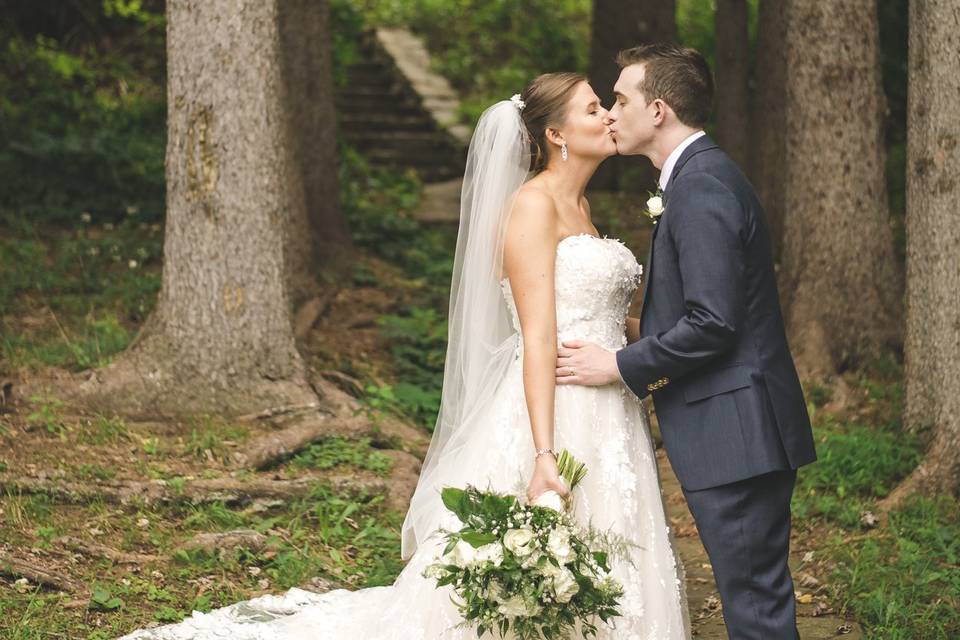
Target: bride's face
{"type": "Point", "coordinates": [585, 130]}
{"type": "Point", "coordinates": [632, 119]}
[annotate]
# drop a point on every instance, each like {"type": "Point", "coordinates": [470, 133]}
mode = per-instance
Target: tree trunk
{"type": "Point", "coordinates": [733, 50]}
{"type": "Point", "coordinates": [617, 26]}
{"type": "Point", "coordinates": [769, 117]}
{"type": "Point", "coordinates": [933, 246]}
{"type": "Point", "coordinates": [319, 240]}
{"type": "Point", "coordinates": [220, 339]}
{"type": "Point", "coordinates": [839, 279]}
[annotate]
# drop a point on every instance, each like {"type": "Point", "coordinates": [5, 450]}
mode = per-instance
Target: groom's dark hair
{"type": "Point", "coordinates": [680, 76]}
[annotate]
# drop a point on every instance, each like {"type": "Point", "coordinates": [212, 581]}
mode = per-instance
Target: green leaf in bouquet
{"type": "Point", "coordinates": [456, 500]}
{"type": "Point", "coordinates": [477, 538]}
{"type": "Point", "coordinates": [451, 544]}
{"type": "Point", "coordinates": [601, 559]}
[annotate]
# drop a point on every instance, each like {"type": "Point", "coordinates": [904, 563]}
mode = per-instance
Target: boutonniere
{"type": "Point", "coordinates": [655, 206]}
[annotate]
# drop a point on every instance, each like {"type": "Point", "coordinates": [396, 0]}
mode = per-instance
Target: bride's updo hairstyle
{"type": "Point", "coordinates": [545, 106]}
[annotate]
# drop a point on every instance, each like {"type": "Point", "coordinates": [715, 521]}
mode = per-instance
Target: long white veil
{"type": "Point", "coordinates": [481, 339]}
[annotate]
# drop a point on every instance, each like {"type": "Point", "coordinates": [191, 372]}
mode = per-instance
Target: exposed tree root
{"type": "Point", "coordinates": [273, 448]}
{"type": "Point", "coordinates": [211, 542]}
{"type": "Point", "coordinates": [311, 311]}
{"type": "Point", "coordinates": [15, 566]}
{"type": "Point", "coordinates": [227, 490]}
{"type": "Point", "coordinates": [95, 550]}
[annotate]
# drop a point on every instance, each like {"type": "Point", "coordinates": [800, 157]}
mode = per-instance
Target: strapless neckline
{"type": "Point", "coordinates": [576, 235]}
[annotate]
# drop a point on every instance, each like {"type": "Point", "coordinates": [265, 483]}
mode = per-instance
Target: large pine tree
{"type": "Point", "coordinates": [840, 281]}
{"type": "Point", "coordinates": [618, 26]}
{"type": "Point", "coordinates": [768, 117]}
{"type": "Point", "coordinates": [731, 74]}
{"type": "Point", "coordinates": [248, 169]}
{"type": "Point", "coordinates": [933, 246]}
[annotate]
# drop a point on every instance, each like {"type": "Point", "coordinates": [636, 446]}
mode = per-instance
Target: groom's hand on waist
{"type": "Point", "coordinates": [587, 364]}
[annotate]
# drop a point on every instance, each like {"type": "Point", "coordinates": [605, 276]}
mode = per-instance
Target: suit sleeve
{"type": "Point", "coordinates": [705, 220]}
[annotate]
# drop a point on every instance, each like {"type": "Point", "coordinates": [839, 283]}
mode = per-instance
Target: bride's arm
{"type": "Point", "coordinates": [529, 259]}
{"type": "Point", "coordinates": [633, 329]}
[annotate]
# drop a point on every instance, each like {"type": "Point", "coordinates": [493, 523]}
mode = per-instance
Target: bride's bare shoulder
{"type": "Point", "coordinates": [533, 205]}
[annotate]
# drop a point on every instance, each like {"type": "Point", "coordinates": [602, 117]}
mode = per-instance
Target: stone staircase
{"type": "Point", "coordinates": [397, 113]}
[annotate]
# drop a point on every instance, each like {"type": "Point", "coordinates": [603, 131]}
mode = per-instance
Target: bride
{"type": "Point", "coordinates": [530, 271]}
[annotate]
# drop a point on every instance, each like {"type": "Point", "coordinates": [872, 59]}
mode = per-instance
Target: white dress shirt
{"type": "Point", "coordinates": [674, 156]}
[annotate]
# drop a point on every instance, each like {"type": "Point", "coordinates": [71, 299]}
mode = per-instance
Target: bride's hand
{"type": "Point", "coordinates": [546, 477]}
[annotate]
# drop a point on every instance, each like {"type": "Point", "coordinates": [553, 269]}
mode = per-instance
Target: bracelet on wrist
{"type": "Point", "coordinates": [540, 452]}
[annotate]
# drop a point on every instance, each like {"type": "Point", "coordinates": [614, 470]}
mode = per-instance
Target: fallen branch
{"type": "Point", "coordinates": [13, 566]}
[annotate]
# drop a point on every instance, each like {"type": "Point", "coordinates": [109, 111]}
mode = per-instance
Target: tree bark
{"type": "Point", "coordinates": [733, 51]}
{"type": "Point", "coordinates": [769, 117]}
{"type": "Point", "coordinates": [932, 346]}
{"type": "Point", "coordinates": [617, 26]}
{"type": "Point", "coordinates": [319, 239]}
{"type": "Point", "coordinates": [220, 339]}
{"type": "Point", "coordinates": [839, 279]}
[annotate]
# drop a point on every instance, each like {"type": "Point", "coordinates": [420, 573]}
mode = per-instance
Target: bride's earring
{"type": "Point", "coordinates": [563, 151]}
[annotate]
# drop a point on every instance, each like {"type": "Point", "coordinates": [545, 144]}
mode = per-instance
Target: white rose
{"type": "Point", "coordinates": [655, 205]}
{"type": "Point", "coordinates": [550, 570]}
{"type": "Point", "coordinates": [495, 591]}
{"type": "Point", "coordinates": [461, 555]}
{"type": "Point", "coordinates": [518, 541]}
{"type": "Point", "coordinates": [565, 586]}
{"type": "Point", "coordinates": [513, 607]}
{"type": "Point", "coordinates": [549, 499]}
{"type": "Point", "coordinates": [558, 544]}
{"type": "Point", "coordinates": [492, 553]}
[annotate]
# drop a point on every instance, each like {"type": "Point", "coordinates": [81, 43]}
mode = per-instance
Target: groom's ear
{"type": "Point", "coordinates": [660, 109]}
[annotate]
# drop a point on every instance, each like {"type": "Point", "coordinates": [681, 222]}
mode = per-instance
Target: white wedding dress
{"type": "Point", "coordinates": [605, 427]}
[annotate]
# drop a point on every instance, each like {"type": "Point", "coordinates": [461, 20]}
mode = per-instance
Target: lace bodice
{"type": "Point", "coordinates": [595, 279]}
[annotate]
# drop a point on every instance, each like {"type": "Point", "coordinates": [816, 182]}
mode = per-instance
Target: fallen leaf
{"type": "Point", "coordinates": [869, 520]}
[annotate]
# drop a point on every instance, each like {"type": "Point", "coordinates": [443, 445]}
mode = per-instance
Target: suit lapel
{"type": "Point", "coordinates": [703, 143]}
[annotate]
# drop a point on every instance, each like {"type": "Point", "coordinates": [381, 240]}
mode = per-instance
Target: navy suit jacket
{"type": "Point", "coordinates": [713, 349]}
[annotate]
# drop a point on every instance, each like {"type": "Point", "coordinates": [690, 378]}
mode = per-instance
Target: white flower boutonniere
{"type": "Point", "coordinates": [655, 206]}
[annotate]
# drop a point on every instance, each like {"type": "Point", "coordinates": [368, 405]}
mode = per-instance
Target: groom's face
{"type": "Point", "coordinates": [632, 119]}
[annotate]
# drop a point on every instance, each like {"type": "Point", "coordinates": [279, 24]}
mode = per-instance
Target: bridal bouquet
{"type": "Point", "coordinates": [527, 568]}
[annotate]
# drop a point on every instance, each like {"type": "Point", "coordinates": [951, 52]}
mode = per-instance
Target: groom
{"type": "Point", "coordinates": [713, 352]}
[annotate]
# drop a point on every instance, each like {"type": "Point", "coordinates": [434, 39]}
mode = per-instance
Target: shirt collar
{"type": "Point", "coordinates": [674, 156]}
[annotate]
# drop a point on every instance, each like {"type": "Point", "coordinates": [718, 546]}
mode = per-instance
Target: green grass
{"type": "Point", "coordinates": [351, 540]}
{"type": "Point", "coordinates": [337, 451]}
{"type": "Point", "coordinates": [902, 579]}
{"type": "Point", "coordinates": [83, 289]}
{"type": "Point", "coordinates": [903, 582]}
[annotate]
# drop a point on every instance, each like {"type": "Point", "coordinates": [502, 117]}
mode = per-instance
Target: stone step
{"type": "Point", "coordinates": [396, 112]}
{"type": "Point", "coordinates": [390, 103]}
{"type": "Point", "coordinates": [445, 162]}
{"type": "Point", "coordinates": [379, 121]}
{"type": "Point", "coordinates": [392, 88]}
{"type": "Point", "coordinates": [394, 138]}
